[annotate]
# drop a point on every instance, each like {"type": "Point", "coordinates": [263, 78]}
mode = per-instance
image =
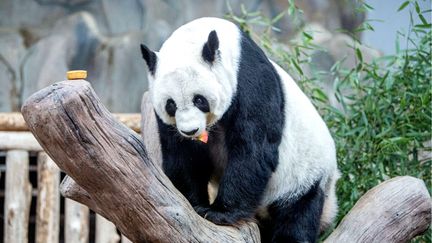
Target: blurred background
{"type": "Point", "coordinates": [366, 65]}
{"type": "Point", "coordinates": [41, 39]}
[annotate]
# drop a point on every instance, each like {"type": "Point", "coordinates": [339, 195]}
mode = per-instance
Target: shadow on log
{"type": "Point", "coordinates": [110, 170]}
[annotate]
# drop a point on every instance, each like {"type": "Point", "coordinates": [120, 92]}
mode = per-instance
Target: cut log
{"type": "Point", "coordinates": [17, 197]}
{"type": "Point", "coordinates": [48, 201]}
{"type": "Point", "coordinates": [109, 161]}
{"type": "Point", "coordinates": [76, 222]}
{"type": "Point", "coordinates": [397, 210]}
{"type": "Point", "coordinates": [112, 172]}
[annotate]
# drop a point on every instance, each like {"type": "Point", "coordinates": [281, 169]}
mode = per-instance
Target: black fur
{"type": "Point", "coordinates": [210, 47]}
{"type": "Point", "coordinates": [171, 107]}
{"type": "Point", "coordinates": [186, 163]}
{"type": "Point", "coordinates": [150, 58]}
{"type": "Point", "coordinates": [253, 128]}
{"type": "Point", "coordinates": [294, 220]}
{"type": "Point", "coordinates": [201, 103]}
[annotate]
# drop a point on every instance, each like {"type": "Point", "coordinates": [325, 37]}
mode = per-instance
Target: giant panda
{"type": "Point", "coordinates": [269, 154]}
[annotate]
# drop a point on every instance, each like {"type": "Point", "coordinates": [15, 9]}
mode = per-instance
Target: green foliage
{"type": "Point", "coordinates": [382, 126]}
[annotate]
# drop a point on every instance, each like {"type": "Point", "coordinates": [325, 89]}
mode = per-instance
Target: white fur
{"type": "Point", "coordinates": [182, 73]}
{"type": "Point", "coordinates": [306, 153]}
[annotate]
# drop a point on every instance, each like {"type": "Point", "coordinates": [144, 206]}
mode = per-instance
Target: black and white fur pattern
{"type": "Point", "coordinates": [270, 155]}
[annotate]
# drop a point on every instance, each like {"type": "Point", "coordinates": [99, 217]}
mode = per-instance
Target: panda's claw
{"type": "Point", "coordinates": [201, 210]}
{"type": "Point", "coordinates": [223, 218]}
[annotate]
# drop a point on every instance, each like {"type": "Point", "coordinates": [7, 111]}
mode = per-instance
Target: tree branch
{"type": "Point", "coordinates": [396, 210]}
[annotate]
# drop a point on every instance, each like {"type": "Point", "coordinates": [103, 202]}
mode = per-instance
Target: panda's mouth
{"type": "Point", "coordinates": [202, 136]}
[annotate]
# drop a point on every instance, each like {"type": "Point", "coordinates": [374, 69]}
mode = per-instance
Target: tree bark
{"type": "Point", "coordinates": [111, 171]}
{"type": "Point", "coordinates": [109, 161]}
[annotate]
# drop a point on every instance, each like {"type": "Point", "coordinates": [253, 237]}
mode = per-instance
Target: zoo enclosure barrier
{"type": "Point", "coordinates": [33, 209]}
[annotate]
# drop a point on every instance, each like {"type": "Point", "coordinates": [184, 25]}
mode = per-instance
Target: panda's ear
{"type": "Point", "coordinates": [210, 47]}
{"type": "Point", "coordinates": [150, 58]}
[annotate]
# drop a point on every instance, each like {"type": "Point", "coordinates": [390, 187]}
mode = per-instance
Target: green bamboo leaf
{"type": "Point", "coordinates": [423, 26]}
{"type": "Point", "coordinates": [309, 37]}
{"type": "Point", "coordinates": [417, 7]}
{"type": "Point", "coordinates": [359, 54]}
{"type": "Point", "coordinates": [403, 5]}
{"type": "Point", "coordinates": [423, 19]}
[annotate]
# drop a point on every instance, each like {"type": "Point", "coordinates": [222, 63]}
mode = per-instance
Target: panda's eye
{"type": "Point", "coordinates": [171, 107]}
{"type": "Point", "coordinates": [201, 103]}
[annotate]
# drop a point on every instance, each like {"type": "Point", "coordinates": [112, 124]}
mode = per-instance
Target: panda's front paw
{"type": "Point", "coordinates": [201, 210]}
{"type": "Point", "coordinates": [223, 218]}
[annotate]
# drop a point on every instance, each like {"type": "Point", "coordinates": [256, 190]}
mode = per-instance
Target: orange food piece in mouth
{"type": "Point", "coordinates": [203, 137]}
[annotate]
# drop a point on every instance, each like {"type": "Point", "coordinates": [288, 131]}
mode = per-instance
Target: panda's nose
{"type": "Point", "coordinates": [190, 133]}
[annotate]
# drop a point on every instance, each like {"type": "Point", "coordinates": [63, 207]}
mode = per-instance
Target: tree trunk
{"type": "Point", "coordinates": [111, 171]}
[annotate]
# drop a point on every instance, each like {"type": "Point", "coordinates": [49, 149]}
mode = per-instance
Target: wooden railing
{"type": "Point", "coordinates": [18, 144]}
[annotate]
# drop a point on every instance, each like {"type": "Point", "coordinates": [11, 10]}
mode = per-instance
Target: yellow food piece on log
{"type": "Point", "coordinates": [76, 74]}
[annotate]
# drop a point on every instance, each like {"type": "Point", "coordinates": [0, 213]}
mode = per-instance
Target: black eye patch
{"type": "Point", "coordinates": [171, 107]}
{"type": "Point", "coordinates": [201, 103]}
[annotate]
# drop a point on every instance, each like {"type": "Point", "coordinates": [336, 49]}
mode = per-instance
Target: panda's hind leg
{"type": "Point", "coordinates": [297, 221]}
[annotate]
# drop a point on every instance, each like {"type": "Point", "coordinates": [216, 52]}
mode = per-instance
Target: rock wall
{"type": "Point", "coordinates": [41, 39]}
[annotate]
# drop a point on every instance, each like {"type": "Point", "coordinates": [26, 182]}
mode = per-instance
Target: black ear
{"type": "Point", "coordinates": [210, 47]}
{"type": "Point", "coordinates": [150, 58]}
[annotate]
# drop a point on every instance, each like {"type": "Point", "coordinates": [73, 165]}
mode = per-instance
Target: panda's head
{"type": "Point", "coordinates": [189, 83]}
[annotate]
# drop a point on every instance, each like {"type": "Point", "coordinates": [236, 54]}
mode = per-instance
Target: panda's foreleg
{"type": "Point", "coordinates": [246, 174]}
{"type": "Point", "coordinates": [297, 221]}
{"type": "Point", "coordinates": [187, 166]}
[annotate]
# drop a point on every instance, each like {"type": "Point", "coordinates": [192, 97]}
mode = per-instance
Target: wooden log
{"type": "Point", "coordinates": [13, 121]}
{"type": "Point", "coordinates": [17, 197]}
{"type": "Point", "coordinates": [48, 201]}
{"type": "Point", "coordinates": [149, 130]}
{"type": "Point", "coordinates": [19, 141]}
{"type": "Point", "coordinates": [110, 162]}
{"type": "Point", "coordinates": [397, 210]}
{"type": "Point", "coordinates": [70, 189]}
{"type": "Point", "coordinates": [76, 222]}
{"type": "Point", "coordinates": [106, 231]}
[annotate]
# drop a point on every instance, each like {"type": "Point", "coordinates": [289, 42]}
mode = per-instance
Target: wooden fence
{"type": "Point", "coordinates": [18, 146]}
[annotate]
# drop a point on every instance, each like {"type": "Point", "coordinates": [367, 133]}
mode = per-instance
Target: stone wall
{"type": "Point", "coordinates": [41, 39]}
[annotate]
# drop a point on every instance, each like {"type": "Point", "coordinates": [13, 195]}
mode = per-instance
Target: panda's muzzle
{"type": "Point", "coordinates": [191, 132]}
